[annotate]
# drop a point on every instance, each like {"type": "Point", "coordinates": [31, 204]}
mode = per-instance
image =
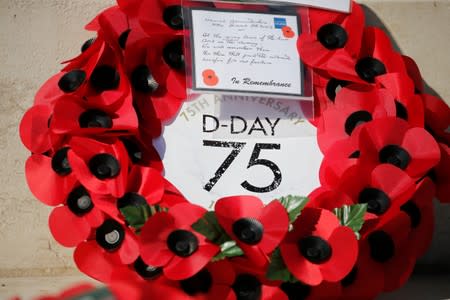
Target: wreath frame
{"type": "Point", "coordinates": [86, 132]}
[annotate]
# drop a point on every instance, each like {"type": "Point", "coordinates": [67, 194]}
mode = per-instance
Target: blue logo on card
{"type": "Point", "coordinates": [280, 23]}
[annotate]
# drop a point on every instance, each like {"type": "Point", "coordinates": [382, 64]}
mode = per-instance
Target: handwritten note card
{"type": "Point", "coordinates": [246, 52]}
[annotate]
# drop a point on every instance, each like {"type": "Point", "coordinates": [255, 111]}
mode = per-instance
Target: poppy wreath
{"type": "Point", "coordinates": [386, 157]}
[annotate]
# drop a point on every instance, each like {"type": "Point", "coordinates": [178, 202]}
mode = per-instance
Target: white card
{"type": "Point", "coordinates": [240, 145]}
{"type": "Point", "coordinates": [245, 52]}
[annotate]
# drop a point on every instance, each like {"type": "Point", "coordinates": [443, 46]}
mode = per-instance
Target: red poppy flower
{"type": "Point", "coordinates": [299, 290]}
{"type": "Point", "coordinates": [96, 75]}
{"type": "Point", "coordinates": [319, 248]}
{"type": "Point", "coordinates": [159, 17]}
{"type": "Point", "coordinates": [115, 27]}
{"type": "Point", "coordinates": [141, 153]}
{"type": "Point", "coordinates": [130, 7]}
{"type": "Point", "coordinates": [101, 168]}
{"type": "Point", "coordinates": [394, 141]}
{"type": "Point", "coordinates": [339, 158]}
{"type": "Point", "coordinates": [113, 246]}
{"type": "Point", "coordinates": [385, 189]}
{"type": "Point", "coordinates": [385, 245]}
{"type": "Point", "coordinates": [250, 282]}
{"type": "Point", "coordinates": [354, 106]}
{"type": "Point", "coordinates": [335, 38]}
{"type": "Point", "coordinates": [212, 282]}
{"type": "Point", "coordinates": [210, 78]}
{"type": "Point", "coordinates": [375, 58]}
{"type": "Point", "coordinates": [72, 223]}
{"type": "Point", "coordinates": [170, 199]}
{"type": "Point", "coordinates": [74, 116]}
{"type": "Point", "coordinates": [414, 73]}
{"type": "Point", "coordinates": [365, 280]}
{"type": "Point", "coordinates": [158, 76]}
{"type": "Point", "coordinates": [144, 186]}
{"type": "Point", "coordinates": [138, 272]}
{"type": "Point", "coordinates": [165, 17]}
{"type": "Point", "coordinates": [50, 178]}
{"type": "Point", "coordinates": [256, 229]}
{"type": "Point", "coordinates": [325, 91]}
{"type": "Point", "coordinates": [441, 176]}
{"type": "Point", "coordinates": [409, 106]}
{"type": "Point", "coordinates": [49, 92]}
{"type": "Point", "coordinates": [437, 118]}
{"type": "Point", "coordinates": [288, 32]}
{"type": "Point", "coordinates": [34, 130]}
{"type": "Point", "coordinates": [420, 210]}
{"type": "Point", "coordinates": [244, 265]}
{"type": "Point", "coordinates": [328, 198]}
{"type": "Point", "coordinates": [168, 241]}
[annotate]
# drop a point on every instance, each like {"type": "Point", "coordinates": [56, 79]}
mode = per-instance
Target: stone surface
{"type": "Point", "coordinates": [37, 34]}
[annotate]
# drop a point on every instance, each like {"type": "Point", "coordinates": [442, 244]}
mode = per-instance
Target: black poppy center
{"type": "Point", "coordinates": [134, 152]}
{"type": "Point", "coordinates": [332, 36]}
{"type": "Point", "coordinates": [247, 287]}
{"type": "Point", "coordinates": [60, 162]}
{"type": "Point", "coordinates": [87, 44]}
{"type": "Point", "coordinates": [95, 118]}
{"type": "Point", "coordinates": [123, 38]}
{"type": "Point", "coordinates": [355, 154]}
{"type": "Point", "coordinates": [79, 201]}
{"type": "Point", "coordinates": [200, 283]}
{"type": "Point", "coordinates": [143, 80]}
{"type": "Point", "coordinates": [71, 81]}
{"type": "Point", "coordinates": [173, 17]}
{"type": "Point", "coordinates": [145, 271]}
{"type": "Point", "coordinates": [395, 155]}
{"type": "Point", "coordinates": [248, 231]}
{"type": "Point", "coordinates": [350, 278]}
{"type": "Point", "coordinates": [432, 175]}
{"type": "Point", "coordinates": [368, 68]}
{"type": "Point", "coordinates": [183, 243]}
{"type": "Point", "coordinates": [105, 78]}
{"type": "Point", "coordinates": [382, 247]}
{"type": "Point", "coordinates": [413, 211]}
{"type": "Point", "coordinates": [295, 291]}
{"type": "Point", "coordinates": [356, 119]}
{"type": "Point", "coordinates": [315, 249]}
{"type": "Point", "coordinates": [401, 111]}
{"type": "Point", "coordinates": [377, 200]}
{"type": "Point", "coordinates": [110, 235]}
{"type": "Point", "coordinates": [131, 199]}
{"type": "Point", "coordinates": [173, 54]}
{"type": "Point", "coordinates": [333, 88]}
{"type": "Point", "coordinates": [104, 166]}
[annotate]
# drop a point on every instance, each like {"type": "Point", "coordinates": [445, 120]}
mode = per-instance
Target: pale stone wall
{"type": "Point", "coordinates": [37, 34]}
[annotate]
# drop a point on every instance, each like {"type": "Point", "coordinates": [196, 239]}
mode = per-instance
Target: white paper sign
{"type": "Point", "coordinates": [240, 145]}
{"type": "Point", "coordinates": [245, 52]}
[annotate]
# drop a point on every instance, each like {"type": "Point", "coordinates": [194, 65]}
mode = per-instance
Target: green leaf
{"type": "Point", "coordinates": [277, 269]}
{"type": "Point", "coordinates": [228, 249]}
{"type": "Point", "coordinates": [352, 216]}
{"type": "Point", "coordinates": [137, 215]}
{"type": "Point", "coordinates": [294, 205]}
{"type": "Point", "coordinates": [211, 229]}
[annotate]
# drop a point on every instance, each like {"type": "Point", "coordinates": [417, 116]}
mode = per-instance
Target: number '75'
{"type": "Point", "coordinates": [254, 161]}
